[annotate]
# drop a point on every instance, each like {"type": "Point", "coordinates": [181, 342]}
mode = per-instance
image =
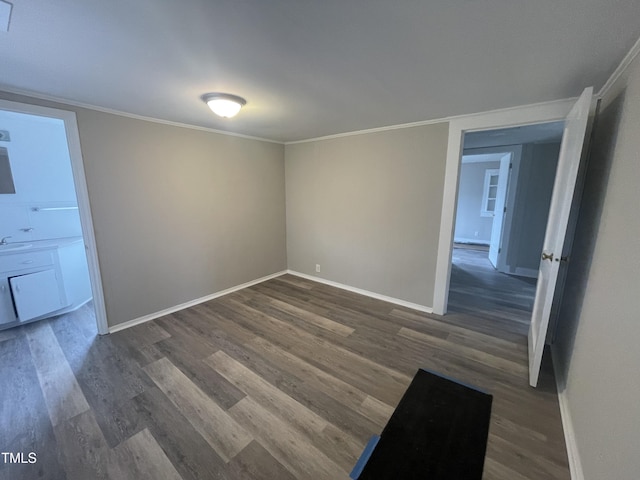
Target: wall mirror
{"type": "Point", "coordinates": [6, 177]}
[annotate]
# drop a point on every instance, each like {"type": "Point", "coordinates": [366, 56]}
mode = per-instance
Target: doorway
{"type": "Point", "coordinates": [504, 193]}
{"type": "Point", "coordinates": [47, 215]}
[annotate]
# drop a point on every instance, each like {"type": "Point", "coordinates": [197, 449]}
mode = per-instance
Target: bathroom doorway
{"type": "Point", "coordinates": [45, 215]}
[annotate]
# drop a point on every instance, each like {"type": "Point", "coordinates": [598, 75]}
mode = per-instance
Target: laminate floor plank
{"type": "Point", "coordinates": [371, 342]}
{"type": "Point", "coordinates": [256, 463]}
{"type": "Point", "coordinates": [217, 387]}
{"type": "Point", "coordinates": [285, 379]}
{"type": "Point", "coordinates": [314, 318]}
{"type": "Point", "coordinates": [184, 336]}
{"type": "Point", "coordinates": [224, 435]}
{"type": "Point", "coordinates": [325, 436]}
{"type": "Point", "coordinates": [368, 342]}
{"type": "Point", "coordinates": [468, 352]}
{"type": "Point", "coordinates": [141, 458]}
{"type": "Point", "coordinates": [478, 289]}
{"type": "Point", "coordinates": [84, 450]}
{"type": "Point", "coordinates": [141, 354]}
{"type": "Point", "coordinates": [188, 451]}
{"type": "Point", "coordinates": [344, 364]}
{"type": "Point", "coordinates": [268, 395]}
{"type": "Point", "coordinates": [312, 375]}
{"type": "Point", "coordinates": [100, 366]}
{"type": "Point", "coordinates": [62, 394]}
{"type": "Point", "coordinates": [25, 426]}
{"type": "Point", "coordinates": [311, 396]}
{"type": "Point", "coordinates": [268, 308]}
{"type": "Point", "coordinates": [288, 446]}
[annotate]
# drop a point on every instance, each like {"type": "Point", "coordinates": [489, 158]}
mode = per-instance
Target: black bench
{"type": "Point", "coordinates": [438, 432]}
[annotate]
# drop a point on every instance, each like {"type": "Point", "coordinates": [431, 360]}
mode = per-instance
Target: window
{"type": "Point", "coordinates": [490, 192]}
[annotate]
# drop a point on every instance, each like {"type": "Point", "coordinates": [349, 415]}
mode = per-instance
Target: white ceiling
{"type": "Point", "coordinates": [313, 68]}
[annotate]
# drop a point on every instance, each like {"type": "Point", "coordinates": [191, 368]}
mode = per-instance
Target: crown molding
{"type": "Point", "coordinates": [433, 121]}
{"type": "Point", "coordinates": [618, 72]}
{"type": "Point", "coordinates": [73, 103]}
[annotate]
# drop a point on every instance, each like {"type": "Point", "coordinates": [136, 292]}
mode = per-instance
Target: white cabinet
{"type": "Point", "coordinates": [7, 314]}
{"type": "Point", "coordinates": [36, 294]}
{"type": "Point", "coordinates": [45, 280]}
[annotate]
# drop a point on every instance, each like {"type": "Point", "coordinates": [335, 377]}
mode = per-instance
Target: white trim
{"type": "Point", "coordinates": [79, 180]}
{"type": "Point", "coordinates": [573, 454]}
{"type": "Point", "coordinates": [481, 158]}
{"type": "Point", "coordinates": [525, 272]}
{"type": "Point", "coordinates": [525, 115]}
{"type": "Point", "coordinates": [617, 73]}
{"type": "Point", "coordinates": [366, 293]}
{"type": "Point", "coordinates": [471, 241]}
{"type": "Point", "coordinates": [191, 303]}
{"type": "Point", "coordinates": [502, 111]}
{"type": "Point", "coordinates": [66, 101]}
{"type": "Point", "coordinates": [120, 113]}
{"type": "Point", "coordinates": [370, 130]}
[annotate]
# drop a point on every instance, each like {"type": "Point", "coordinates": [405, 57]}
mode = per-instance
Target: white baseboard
{"type": "Point", "coordinates": [473, 241]}
{"type": "Point", "coordinates": [367, 293]}
{"type": "Point", "coordinates": [524, 272]}
{"type": "Point", "coordinates": [575, 465]}
{"type": "Point", "coordinates": [182, 306]}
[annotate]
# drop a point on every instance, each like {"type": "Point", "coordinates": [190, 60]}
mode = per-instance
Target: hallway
{"type": "Point", "coordinates": [476, 288]}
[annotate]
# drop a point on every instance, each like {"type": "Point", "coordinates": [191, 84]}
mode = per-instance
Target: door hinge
{"type": "Point", "coordinates": [499, 250]}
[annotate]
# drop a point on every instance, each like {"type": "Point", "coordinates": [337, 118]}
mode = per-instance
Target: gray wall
{"type": "Point", "coordinates": [531, 207]}
{"type": "Point", "coordinates": [178, 213]}
{"type": "Point", "coordinates": [470, 190]}
{"type": "Point", "coordinates": [367, 209]}
{"type": "Point", "coordinates": [599, 326]}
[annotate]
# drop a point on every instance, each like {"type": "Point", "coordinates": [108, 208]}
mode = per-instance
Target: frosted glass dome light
{"type": "Point", "coordinates": [224, 104]}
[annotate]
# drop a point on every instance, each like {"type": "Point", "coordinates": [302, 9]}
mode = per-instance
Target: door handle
{"type": "Point", "coordinates": [547, 256]}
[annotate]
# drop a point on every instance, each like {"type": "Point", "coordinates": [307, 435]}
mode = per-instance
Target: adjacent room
{"type": "Point", "coordinates": [504, 194]}
{"type": "Point", "coordinates": [249, 240]}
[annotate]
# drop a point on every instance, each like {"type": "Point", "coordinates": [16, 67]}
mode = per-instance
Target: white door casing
{"type": "Point", "coordinates": [86, 221]}
{"type": "Point", "coordinates": [511, 117]}
{"type": "Point", "coordinates": [559, 210]}
{"type": "Point", "coordinates": [498, 215]}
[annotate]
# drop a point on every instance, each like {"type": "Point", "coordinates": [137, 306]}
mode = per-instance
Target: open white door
{"type": "Point", "coordinates": [563, 188]}
{"type": "Point", "coordinates": [498, 213]}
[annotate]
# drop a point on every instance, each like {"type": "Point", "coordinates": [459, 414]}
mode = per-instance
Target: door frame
{"type": "Point", "coordinates": [515, 153]}
{"type": "Point", "coordinates": [518, 116]}
{"type": "Point", "coordinates": [497, 227]}
{"type": "Point", "coordinates": [82, 194]}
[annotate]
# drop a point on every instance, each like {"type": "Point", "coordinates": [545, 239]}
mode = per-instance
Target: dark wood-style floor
{"type": "Point", "coordinates": [504, 302]}
{"type": "Point", "coordinates": [286, 379]}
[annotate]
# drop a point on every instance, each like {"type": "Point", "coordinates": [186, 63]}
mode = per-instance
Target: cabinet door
{"type": "Point", "coordinates": [7, 315]}
{"type": "Point", "coordinates": [35, 294]}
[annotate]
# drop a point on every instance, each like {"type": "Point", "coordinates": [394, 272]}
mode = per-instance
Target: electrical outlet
{"type": "Point", "coordinates": [475, 234]}
{"type": "Point", "coordinates": [317, 268]}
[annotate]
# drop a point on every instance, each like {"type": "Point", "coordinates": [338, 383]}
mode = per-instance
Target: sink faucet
{"type": "Point", "coordinates": [4, 240]}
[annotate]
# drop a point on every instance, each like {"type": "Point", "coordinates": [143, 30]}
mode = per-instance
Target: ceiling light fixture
{"type": "Point", "coordinates": [224, 104]}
